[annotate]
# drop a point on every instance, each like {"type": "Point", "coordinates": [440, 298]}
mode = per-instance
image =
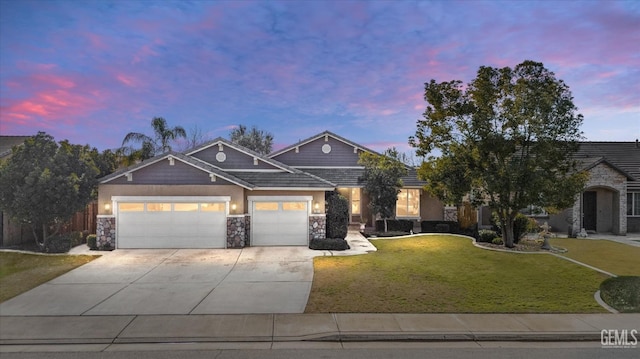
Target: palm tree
{"type": "Point", "coordinates": [150, 146]}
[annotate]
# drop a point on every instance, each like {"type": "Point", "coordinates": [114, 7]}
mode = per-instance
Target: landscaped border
{"type": "Point", "coordinates": [596, 295]}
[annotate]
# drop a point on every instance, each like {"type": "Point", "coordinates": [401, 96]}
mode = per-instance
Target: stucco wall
{"type": "Point", "coordinates": [106, 191]}
{"type": "Point", "coordinates": [318, 196]}
{"type": "Point", "coordinates": [431, 209]}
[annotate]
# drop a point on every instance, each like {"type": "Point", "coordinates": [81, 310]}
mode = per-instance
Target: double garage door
{"type": "Point", "coordinates": [201, 222]}
{"type": "Point", "coordinates": [171, 223]}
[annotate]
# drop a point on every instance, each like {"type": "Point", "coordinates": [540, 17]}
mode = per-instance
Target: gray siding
{"type": "Point", "coordinates": [163, 173]}
{"type": "Point", "coordinates": [235, 159]}
{"type": "Point", "coordinates": [310, 154]}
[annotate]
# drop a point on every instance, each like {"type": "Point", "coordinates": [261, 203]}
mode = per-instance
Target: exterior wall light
{"type": "Point", "coordinates": [316, 207]}
{"type": "Point", "coordinates": [233, 207]}
{"type": "Point", "coordinates": [107, 207]}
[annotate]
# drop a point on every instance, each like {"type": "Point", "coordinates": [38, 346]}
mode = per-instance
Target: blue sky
{"type": "Point", "coordinates": [92, 71]}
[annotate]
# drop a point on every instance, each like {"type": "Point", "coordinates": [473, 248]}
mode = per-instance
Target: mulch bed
{"type": "Point", "coordinates": [525, 245]}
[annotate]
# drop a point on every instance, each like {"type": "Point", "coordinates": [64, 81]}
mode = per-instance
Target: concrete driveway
{"type": "Point", "coordinates": [177, 281]}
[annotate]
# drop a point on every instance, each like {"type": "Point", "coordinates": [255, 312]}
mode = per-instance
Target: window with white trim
{"type": "Point", "coordinates": [633, 204]}
{"type": "Point", "coordinates": [408, 203]}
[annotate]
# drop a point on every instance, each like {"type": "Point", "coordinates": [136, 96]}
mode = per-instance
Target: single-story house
{"type": "Point", "coordinates": [222, 195]}
{"type": "Point", "coordinates": [610, 202]}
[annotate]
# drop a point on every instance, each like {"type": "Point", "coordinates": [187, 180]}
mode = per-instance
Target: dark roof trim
{"type": "Point", "coordinates": [201, 165]}
{"type": "Point", "coordinates": [242, 149]}
{"type": "Point", "coordinates": [604, 160]}
{"type": "Point", "coordinates": [320, 135]}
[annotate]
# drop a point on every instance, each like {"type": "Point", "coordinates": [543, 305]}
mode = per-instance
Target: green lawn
{"type": "Point", "coordinates": [436, 274]}
{"type": "Point", "coordinates": [20, 272]}
{"type": "Point", "coordinates": [616, 258]}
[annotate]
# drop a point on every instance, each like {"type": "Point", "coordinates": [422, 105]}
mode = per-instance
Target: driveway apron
{"type": "Point", "coordinates": [176, 281]}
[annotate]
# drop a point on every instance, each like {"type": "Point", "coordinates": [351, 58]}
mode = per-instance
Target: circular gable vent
{"type": "Point", "coordinates": [326, 148]}
{"type": "Point", "coordinates": [221, 157]}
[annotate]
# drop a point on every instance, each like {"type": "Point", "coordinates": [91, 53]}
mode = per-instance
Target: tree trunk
{"type": "Point", "coordinates": [507, 232]}
{"type": "Point", "coordinates": [385, 226]}
{"type": "Point", "coordinates": [42, 244]}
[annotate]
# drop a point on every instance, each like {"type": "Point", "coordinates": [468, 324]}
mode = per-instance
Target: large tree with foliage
{"type": "Point", "coordinates": [382, 179]}
{"type": "Point", "coordinates": [158, 143]}
{"type": "Point", "coordinates": [44, 183]}
{"type": "Point", "coordinates": [506, 140]}
{"type": "Point", "coordinates": [253, 139]}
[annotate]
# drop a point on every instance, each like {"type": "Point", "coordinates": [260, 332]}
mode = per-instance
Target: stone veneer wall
{"type": "Point", "coordinates": [317, 226]}
{"type": "Point", "coordinates": [604, 176]}
{"type": "Point", "coordinates": [106, 232]}
{"type": "Point", "coordinates": [238, 231]}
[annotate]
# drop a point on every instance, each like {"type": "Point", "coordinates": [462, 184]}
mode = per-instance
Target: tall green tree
{"type": "Point", "coordinates": [382, 179]}
{"type": "Point", "coordinates": [506, 140]}
{"type": "Point", "coordinates": [254, 139]}
{"type": "Point", "coordinates": [44, 183]}
{"type": "Point", "coordinates": [159, 142]}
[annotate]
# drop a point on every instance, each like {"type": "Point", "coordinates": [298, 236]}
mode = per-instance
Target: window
{"type": "Point", "coordinates": [185, 207]}
{"type": "Point", "coordinates": [294, 206]}
{"type": "Point", "coordinates": [355, 201]}
{"type": "Point", "coordinates": [408, 204]}
{"type": "Point", "coordinates": [534, 211]}
{"type": "Point", "coordinates": [266, 206]}
{"type": "Point", "coordinates": [131, 207]}
{"type": "Point", "coordinates": [158, 207]}
{"type": "Point", "coordinates": [633, 204]}
{"type": "Point", "coordinates": [212, 207]}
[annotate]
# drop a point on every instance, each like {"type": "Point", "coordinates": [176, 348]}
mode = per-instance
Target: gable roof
{"type": "Point", "coordinates": [623, 156]}
{"type": "Point", "coordinates": [590, 162]}
{"type": "Point", "coordinates": [201, 165]}
{"type": "Point", "coordinates": [320, 135]}
{"type": "Point", "coordinates": [242, 149]}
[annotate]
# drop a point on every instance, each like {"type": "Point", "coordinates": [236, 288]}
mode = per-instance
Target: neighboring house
{"type": "Point", "coordinates": [610, 202]}
{"type": "Point", "coordinates": [11, 231]}
{"type": "Point", "coordinates": [222, 195]}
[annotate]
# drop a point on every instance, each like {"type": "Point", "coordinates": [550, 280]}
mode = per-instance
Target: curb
{"type": "Point", "coordinates": [337, 337]}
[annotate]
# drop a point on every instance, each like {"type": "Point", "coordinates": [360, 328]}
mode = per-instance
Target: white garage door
{"type": "Point", "coordinates": [280, 223]}
{"type": "Point", "coordinates": [170, 224]}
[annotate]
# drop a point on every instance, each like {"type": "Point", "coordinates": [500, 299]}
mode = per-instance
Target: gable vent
{"type": "Point", "coordinates": [213, 177]}
{"type": "Point", "coordinates": [255, 161]}
{"type": "Point", "coordinates": [171, 161]}
{"type": "Point", "coordinates": [129, 177]}
{"type": "Point", "coordinates": [220, 147]}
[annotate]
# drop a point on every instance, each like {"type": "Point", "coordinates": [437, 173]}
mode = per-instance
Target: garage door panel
{"type": "Point", "coordinates": [285, 224]}
{"type": "Point", "coordinates": [162, 226]}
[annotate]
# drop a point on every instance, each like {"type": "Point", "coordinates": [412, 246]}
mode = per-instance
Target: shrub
{"type": "Point", "coordinates": [439, 227]}
{"type": "Point", "coordinates": [520, 226]}
{"type": "Point", "coordinates": [76, 238]}
{"type": "Point", "coordinates": [58, 244]}
{"type": "Point", "coordinates": [395, 225]}
{"type": "Point", "coordinates": [92, 242]}
{"type": "Point", "coordinates": [486, 235]}
{"type": "Point", "coordinates": [337, 215]}
{"type": "Point", "coordinates": [622, 293]}
{"type": "Point", "coordinates": [497, 241]}
{"type": "Point", "coordinates": [329, 244]}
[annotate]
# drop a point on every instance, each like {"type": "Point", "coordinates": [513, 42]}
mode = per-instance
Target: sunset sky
{"type": "Point", "coordinates": [92, 71]}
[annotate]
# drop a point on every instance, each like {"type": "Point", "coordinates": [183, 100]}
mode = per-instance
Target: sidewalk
{"type": "Point", "coordinates": [101, 332]}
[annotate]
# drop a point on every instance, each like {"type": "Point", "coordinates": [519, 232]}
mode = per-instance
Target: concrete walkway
{"type": "Point", "coordinates": [111, 332]}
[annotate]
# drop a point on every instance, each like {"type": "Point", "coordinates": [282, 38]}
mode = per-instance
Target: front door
{"type": "Point", "coordinates": [590, 210]}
